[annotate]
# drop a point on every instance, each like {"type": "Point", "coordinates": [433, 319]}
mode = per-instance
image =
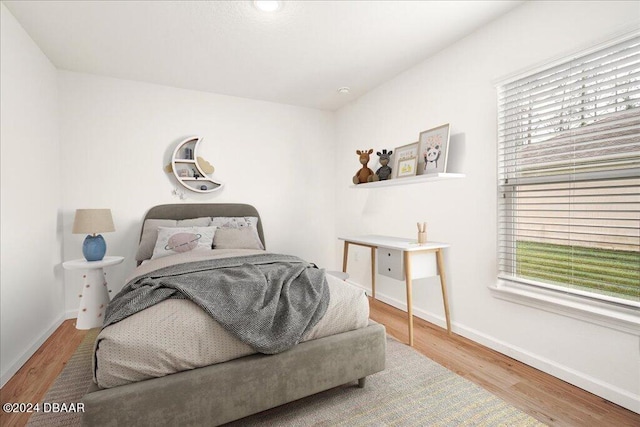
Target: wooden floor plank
{"type": "Point", "coordinates": [542, 396]}
{"type": "Point", "coordinates": [33, 379]}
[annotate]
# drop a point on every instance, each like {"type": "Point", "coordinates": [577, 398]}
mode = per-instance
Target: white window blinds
{"type": "Point", "coordinates": [569, 175]}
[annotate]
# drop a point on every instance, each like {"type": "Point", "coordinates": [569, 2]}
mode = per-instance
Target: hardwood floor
{"type": "Point", "coordinates": [544, 397]}
{"type": "Point", "coordinates": [31, 382]}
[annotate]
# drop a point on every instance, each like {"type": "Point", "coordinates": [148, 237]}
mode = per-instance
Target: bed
{"type": "Point", "coordinates": [229, 390]}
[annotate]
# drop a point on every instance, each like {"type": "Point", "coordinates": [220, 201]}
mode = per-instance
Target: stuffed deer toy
{"type": "Point", "coordinates": [364, 173]}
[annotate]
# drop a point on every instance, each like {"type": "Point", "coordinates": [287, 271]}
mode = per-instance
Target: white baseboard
{"type": "Point", "coordinates": [600, 388]}
{"type": "Point", "coordinates": [586, 382]}
{"type": "Point", "coordinates": [71, 314]}
{"type": "Point", "coordinates": [35, 345]}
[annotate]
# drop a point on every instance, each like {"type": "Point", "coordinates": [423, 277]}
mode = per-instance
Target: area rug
{"type": "Point", "coordinates": [69, 387]}
{"type": "Point", "coordinates": [412, 391]}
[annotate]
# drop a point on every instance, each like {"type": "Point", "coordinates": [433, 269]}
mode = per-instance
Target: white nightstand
{"type": "Point", "coordinates": [95, 295]}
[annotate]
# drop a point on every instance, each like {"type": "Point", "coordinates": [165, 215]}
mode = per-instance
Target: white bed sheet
{"type": "Point", "coordinates": [177, 335]}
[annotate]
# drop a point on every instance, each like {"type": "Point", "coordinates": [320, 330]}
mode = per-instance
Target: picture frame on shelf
{"type": "Point", "coordinates": [433, 150]}
{"type": "Point", "coordinates": [406, 160]}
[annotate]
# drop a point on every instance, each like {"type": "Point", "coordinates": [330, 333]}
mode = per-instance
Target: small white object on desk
{"type": "Point", "coordinates": [95, 295]}
{"type": "Point", "coordinates": [395, 256]}
{"type": "Point", "coordinates": [422, 233]}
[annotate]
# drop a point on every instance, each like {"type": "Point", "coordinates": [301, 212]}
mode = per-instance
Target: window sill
{"type": "Point", "coordinates": [612, 315]}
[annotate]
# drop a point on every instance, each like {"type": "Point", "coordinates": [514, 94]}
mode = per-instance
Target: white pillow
{"type": "Point", "coordinates": [150, 232]}
{"type": "Point", "coordinates": [175, 240]}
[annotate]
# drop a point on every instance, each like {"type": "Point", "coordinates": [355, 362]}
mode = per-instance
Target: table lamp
{"type": "Point", "coordinates": [93, 221]}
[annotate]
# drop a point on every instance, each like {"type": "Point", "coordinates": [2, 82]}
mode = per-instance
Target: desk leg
{"type": "Point", "coordinates": [373, 272]}
{"type": "Point", "coordinates": [94, 300]}
{"type": "Point", "coordinates": [345, 256]}
{"type": "Point", "coordinates": [443, 283]}
{"type": "Point", "coordinates": [407, 272]}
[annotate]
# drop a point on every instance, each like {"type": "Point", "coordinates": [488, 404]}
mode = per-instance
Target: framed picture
{"type": "Point", "coordinates": [406, 160]}
{"type": "Point", "coordinates": [433, 150]}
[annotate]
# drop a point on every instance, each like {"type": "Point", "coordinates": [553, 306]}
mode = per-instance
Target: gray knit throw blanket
{"type": "Point", "coordinates": [268, 301]}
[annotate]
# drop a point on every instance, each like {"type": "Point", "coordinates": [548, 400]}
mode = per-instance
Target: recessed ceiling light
{"type": "Point", "coordinates": [267, 6]}
{"type": "Point", "coordinates": [344, 90]}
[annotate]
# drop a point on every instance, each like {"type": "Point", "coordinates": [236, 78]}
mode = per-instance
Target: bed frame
{"type": "Point", "coordinates": [225, 392]}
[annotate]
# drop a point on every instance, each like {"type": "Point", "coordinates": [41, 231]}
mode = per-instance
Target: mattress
{"type": "Point", "coordinates": [177, 335]}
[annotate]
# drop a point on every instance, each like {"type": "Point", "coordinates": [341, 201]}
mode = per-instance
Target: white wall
{"type": "Point", "coordinates": [116, 137]}
{"type": "Point", "coordinates": [457, 86]}
{"type": "Point", "coordinates": [31, 289]}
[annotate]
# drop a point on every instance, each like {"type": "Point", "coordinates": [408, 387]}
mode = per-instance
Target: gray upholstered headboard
{"type": "Point", "coordinates": [197, 210]}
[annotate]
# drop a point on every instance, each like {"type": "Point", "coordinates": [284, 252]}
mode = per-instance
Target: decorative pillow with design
{"type": "Point", "coordinates": [236, 232]}
{"type": "Point", "coordinates": [176, 240]}
{"type": "Point", "coordinates": [150, 232]}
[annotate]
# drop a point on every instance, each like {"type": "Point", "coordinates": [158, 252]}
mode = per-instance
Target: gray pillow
{"type": "Point", "coordinates": [236, 232]}
{"type": "Point", "coordinates": [237, 238]}
{"type": "Point", "coordinates": [150, 232]}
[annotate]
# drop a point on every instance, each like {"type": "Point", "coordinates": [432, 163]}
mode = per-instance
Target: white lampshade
{"type": "Point", "coordinates": [92, 221]}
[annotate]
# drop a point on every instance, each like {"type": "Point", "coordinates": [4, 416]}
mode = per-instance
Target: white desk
{"type": "Point", "coordinates": [95, 295]}
{"type": "Point", "coordinates": [395, 256]}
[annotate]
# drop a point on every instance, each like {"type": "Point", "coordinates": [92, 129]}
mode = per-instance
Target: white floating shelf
{"type": "Point", "coordinates": [410, 180]}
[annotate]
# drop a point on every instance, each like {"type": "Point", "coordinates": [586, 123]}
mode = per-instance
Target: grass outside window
{"type": "Point", "coordinates": [612, 272]}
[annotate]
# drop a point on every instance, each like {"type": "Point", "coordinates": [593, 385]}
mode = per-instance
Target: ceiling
{"type": "Point", "coordinates": [299, 55]}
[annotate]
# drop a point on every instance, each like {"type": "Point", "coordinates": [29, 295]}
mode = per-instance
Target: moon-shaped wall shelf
{"type": "Point", "coordinates": [192, 171]}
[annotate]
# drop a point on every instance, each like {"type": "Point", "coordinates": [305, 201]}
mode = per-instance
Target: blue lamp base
{"type": "Point", "coordinates": [94, 248]}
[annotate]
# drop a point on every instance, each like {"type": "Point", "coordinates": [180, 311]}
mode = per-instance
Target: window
{"type": "Point", "coordinates": [569, 177]}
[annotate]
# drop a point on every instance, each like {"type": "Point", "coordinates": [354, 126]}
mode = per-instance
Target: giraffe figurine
{"type": "Point", "coordinates": [363, 173]}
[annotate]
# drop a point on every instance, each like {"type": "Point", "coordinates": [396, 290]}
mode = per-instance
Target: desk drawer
{"type": "Point", "coordinates": [391, 263]}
